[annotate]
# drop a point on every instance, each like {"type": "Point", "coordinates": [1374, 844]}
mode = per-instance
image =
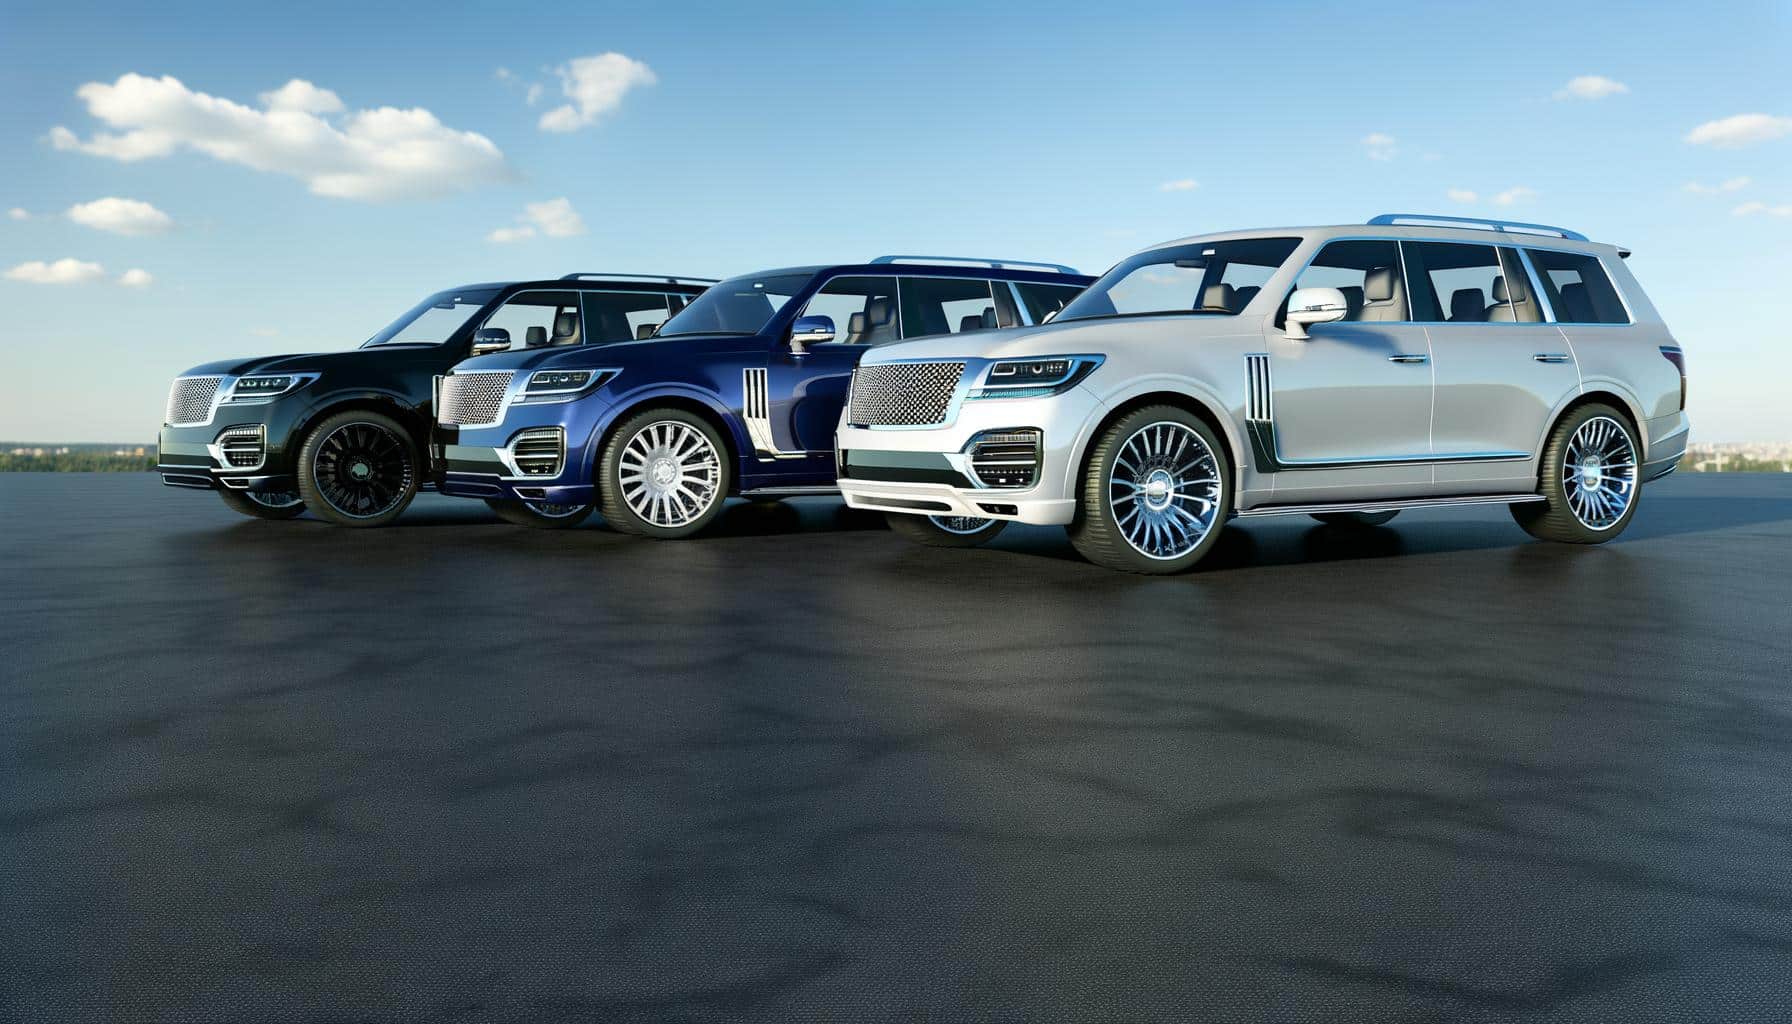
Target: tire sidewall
{"type": "Point", "coordinates": [320, 506]}
{"type": "Point", "coordinates": [1115, 550]}
{"type": "Point", "coordinates": [615, 507]}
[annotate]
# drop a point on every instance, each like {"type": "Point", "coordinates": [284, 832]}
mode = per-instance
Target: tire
{"type": "Point", "coordinates": [1591, 478]}
{"type": "Point", "coordinates": [1356, 518]}
{"type": "Point", "coordinates": [664, 473]}
{"type": "Point", "coordinates": [273, 505]}
{"type": "Point", "coordinates": [1151, 499]}
{"type": "Point", "coordinates": [945, 531]}
{"type": "Point", "coordinates": [358, 468]}
{"type": "Point", "coordinates": [540, 515]}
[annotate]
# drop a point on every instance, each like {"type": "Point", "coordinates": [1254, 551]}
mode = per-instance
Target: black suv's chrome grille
{"type": "Point", "coordinates": [1006, 458]}
{"type": "Point", "coordinates": [903, 394]}
{"type": "Point", "coordinates": [243, 447]}
{"type": "Point", "coordinates": [539, 451]}
{"type": "Point", "coordinates": [190, 400]}
{"type": "Point", "coordinates": [473, 399]}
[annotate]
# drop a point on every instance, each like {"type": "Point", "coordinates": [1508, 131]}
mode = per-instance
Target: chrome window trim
{"type": "Point", "coordinates": [1623, 300]}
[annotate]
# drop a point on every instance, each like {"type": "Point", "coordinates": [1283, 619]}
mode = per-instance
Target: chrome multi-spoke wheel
{"type": "Point", "coordinates": [1599, 473]}
{"type": "Point", "coordinates": [664, 473]}
{"type": "Point", "coordinates": [963, 526]}
{"type": "Point", "coordinates": [1164, 491]}
{"type": "Point", "coordinates": [1590, 479]}
{"type": "Point", "coordinates": [542, 515]}
{"type": "Point", "coordinates": [946, 531]}
{"type": "Point", "coordinates": [264, 504]}
{"type": "Point", "coordinates": [358, 469]}
{"type": "Point", "coordinates": [1156, 492]}
{"type": "Point", "coordinates": [275, 499]}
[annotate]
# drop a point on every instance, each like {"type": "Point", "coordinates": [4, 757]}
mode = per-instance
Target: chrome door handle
{"type": "Point", "coordinates": [1411, 358]}
{"type": "Point", "coordinates": [1550, 357]}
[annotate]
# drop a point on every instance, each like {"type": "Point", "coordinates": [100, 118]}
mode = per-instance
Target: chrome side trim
{"type": "Point", "coordinates": [756, 409]}
{"type": "Point", "coordinates": [791, 492]}
{"type": "Point", "coordinates": [1390, 505]}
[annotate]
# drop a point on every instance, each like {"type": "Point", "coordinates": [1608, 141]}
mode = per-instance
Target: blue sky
{"type": "Point", "coordinates": [725, 138]}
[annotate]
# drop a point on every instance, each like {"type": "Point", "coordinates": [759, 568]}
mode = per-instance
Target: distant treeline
{"type": "Point", "coordinates": [76, 462]}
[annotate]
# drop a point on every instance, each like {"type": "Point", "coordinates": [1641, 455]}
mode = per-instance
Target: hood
{"type": "Point", "coordinates": [616, 353]}
{"type": "Point", "coordinates": [1074, 337]}
{"type": "Point", "coordinates": [315, 362]}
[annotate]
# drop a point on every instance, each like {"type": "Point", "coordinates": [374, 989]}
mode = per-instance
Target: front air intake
{"type": "Point", "coordinates": [1006, 458]}
{"type": "Point", "coordinates": [539, 451]}
{"type": "Point", "coordinates": [243, 447]}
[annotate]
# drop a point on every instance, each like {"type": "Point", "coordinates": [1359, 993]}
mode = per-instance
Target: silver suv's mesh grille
{"type": "Point", "coordinates": [473, 399]}
{"type": "Point", "coordinates": [903, 394]}
{"type": "Point", "coordinates": [190, 400]}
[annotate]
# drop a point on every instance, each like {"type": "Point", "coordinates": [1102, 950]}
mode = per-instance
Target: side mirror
{"type": "Point", "coordinates": [810, 330]}
{"type": "Point", "coordinates": [487, 340]}
{"type": "Point", "coordinates": [1308, 306]}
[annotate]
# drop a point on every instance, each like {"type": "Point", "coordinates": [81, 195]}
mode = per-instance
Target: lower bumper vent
{"type": "Point", "coordinates": [243, 447]}
{"type": "Point", "coordinates": [1006, 458]}
{"type": "Point", "coordinates": [540, 451]}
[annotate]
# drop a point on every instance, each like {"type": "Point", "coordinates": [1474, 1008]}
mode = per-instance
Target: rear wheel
{"type": "Point", "coordinates": [945, 531]}
{"type": "Point", "coordinates": [1590, 480]}
{"type": "Point", "coordinates": [358, 468]}
{"type": "Point", "coordinates": [1356, 518]}
{"type": "Point", "coordinates": [540, 515]}
{"type": "Point", "coordinates": [264, 504]}
{"type": "Point", "coordinates": [1155, 493]}
{"type": "Point", "coordinates": [664, 473]}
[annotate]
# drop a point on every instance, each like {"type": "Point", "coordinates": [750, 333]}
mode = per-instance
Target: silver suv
{"type": "Point", "coordinates": [1342, 372]}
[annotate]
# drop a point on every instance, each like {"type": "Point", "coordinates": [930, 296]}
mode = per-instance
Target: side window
{"type": "Point", "coordinates": [946, 305]}
{"type": "Point", "coordinates": [1520, 305]}
{"type": "Point", "coordinates": [539, 319]}
{"type": "Point", "coordinates": [863, 309]}
{"type": "Point", "coordinates": [1578, 288]}
{"type": "Point", "coordinates": [622, 316]}
{"type": "Point", "coordinates": [1456, 283]}
{"type": "Point", "coordinates": [1042, 300]}
{"type": "Point", "coordinates": [1366, 270]}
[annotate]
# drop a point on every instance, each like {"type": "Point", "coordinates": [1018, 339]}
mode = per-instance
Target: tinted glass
{"type": "Point", "coordinates": [435, 319]}
{"type": "Point", "coordinates": [740, 305]}
{"type": "Point", "coordinates": [945, 305]}
{"type": "Point", "coordinates": [1578, 288]}
{"type": "Point", "coordinates": [863, 309]}
{"type": "Point", "coordinates": [1202, 278]}
{"type": "Point", "coordinates": [1454, 283]}
{"type": "Point", "coordinates": [1367, 271]}
{"type": "Point", "coordinates": [1523, 307]}
{"type": "Point", "coordinates": [1042, 300]}
{"type": "Point", "coordinates": [622, 316]}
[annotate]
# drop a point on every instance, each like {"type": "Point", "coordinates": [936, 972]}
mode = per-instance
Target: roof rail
{"type": "Point", "coordinates": [1482, 223]}
{"type": "Point", "coordinates": [666, 278]}
{"type": "Point", "coordinates": [1056, 268]}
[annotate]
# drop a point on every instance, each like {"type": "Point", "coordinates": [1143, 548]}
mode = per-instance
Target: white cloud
{"type": "Point", "coordinates": [1462, 195]}
{"type": "Point", "coordinates": [1727, 185]}
{"type": "Point", "coordinates": [1740, 130]}
{"type": "Point", "coordinates": [136, 277]}
{"type": "Point", "coordinates": [1515, 194]}
{"type": "Point", "coordinates": [1179, 185]}
{"type": "Point", "coordinates": [1591, 87]}
{"type": "Point", "coordinates": [554, 218]}
{"type": "Point", "coordinates": [595, 85]}
{"type": "Point", "coordinates": [63, 271]}
{"type": "Point", "coordinates": [377, 154]}
{"type": "Point", "coordinates": [533, 96]}
{"type": "Point", "coordinates": [503, 75]}
{"type": "Point", "coordinates": [18, 213]}
{"type": "Point", "coordinates": [1380, 145]}
{"type": "Point", "coordinates": [121, 216]}
{"type": "Point", "coordinates": [1757, 208]}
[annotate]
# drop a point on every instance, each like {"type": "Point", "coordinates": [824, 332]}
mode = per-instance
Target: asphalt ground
{"type": "Point", "coordinates": [797, 769]}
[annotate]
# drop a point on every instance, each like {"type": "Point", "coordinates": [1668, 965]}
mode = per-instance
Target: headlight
{"type": "Point", "coordinates": [1034, 378]}
{"type": "Point", "coordinates": [268, 386]}
{"type": "Point", "coordinates": [559, 385]}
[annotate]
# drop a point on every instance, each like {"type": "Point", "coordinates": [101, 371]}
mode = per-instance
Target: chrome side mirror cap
{"type": "Point", "coordinates": [811, 330]}
{"type": "Point", "coordinates": [1309, 306]}
{"type": "Point", "coordinates": [487, 340]}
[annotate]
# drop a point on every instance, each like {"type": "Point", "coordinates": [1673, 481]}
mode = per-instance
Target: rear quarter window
{"type": "Point", "coordinates": [1578, 288]}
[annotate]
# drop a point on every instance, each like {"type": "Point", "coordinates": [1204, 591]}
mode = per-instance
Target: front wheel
{"type": "Point", "coordinates": [945, 531]}
{"type": "Point", "coordinates": [1589, 479]}
{"type": "Point", "coordinates": [264, 504]}
{"type": "Point", "coordinates": [664, 474]}
{"type": "Point", "coordinates": [1155, 493]}
{"type": "Point", "coordinates": [540, 515]}
{"type": "Point", "coordinates": [358, 468]}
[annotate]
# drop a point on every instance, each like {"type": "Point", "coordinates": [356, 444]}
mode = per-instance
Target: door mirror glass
{"type": "Point", "coordinates": [490, 339]}
{"type": "Point", "coordinates": [811, 330]}
{"type": "Point", "coordinates": [1308, 306]}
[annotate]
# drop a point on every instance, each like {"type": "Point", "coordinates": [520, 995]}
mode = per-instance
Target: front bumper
{"type": "Point", "coordinates": [484, 462]}
{"type": "Point", "coordinates": [483, 471]}
{"type": "Point", "coordinates": [925, 471]}
{"type": "Point", "coordinates": [238, 452]}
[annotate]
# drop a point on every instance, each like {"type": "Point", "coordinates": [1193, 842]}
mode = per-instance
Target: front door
{"type": "Point", "coordinates": [793, 410]}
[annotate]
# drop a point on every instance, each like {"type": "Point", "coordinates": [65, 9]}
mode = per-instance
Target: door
{"type": "Point", "coordinates": [1349, 409]}
{"type": "Point", "coordinates": [1500, 368]}
{"type": "Point", "coordinates": [793, 408]}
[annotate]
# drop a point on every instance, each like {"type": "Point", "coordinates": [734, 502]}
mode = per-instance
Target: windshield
{"type": "Point", "coordinates": [739, 305]}
{"type": "Point", "coordinates": [435, 319]}
{"type": "Point", "coordinates": [1217, 278]}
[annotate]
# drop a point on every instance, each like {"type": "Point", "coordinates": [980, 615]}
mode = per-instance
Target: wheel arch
{"type": "Point", "coordinates": [1204, 407]}
{"type": "Point", "coordinates": [1600, 393]}
{"type": "Point", "coordinates": [412, 418]}
{"type": "Point", "coordinates": [695, 403]}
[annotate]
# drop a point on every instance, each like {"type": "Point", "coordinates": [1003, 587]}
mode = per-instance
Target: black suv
{"type": "Point", "coordinates": [344, 433]}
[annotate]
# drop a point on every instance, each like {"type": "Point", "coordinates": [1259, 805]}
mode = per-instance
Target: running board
{"type": "Point", "coordinates": [1391, 505]}
{"type": "Point", "coordinates": [791, 492]}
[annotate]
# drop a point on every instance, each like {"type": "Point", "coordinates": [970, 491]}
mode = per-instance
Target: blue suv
{"type": "Point", "coordinates": [738, 394]}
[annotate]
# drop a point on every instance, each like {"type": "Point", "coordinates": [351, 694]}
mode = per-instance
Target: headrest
{"type": "Point", "coordinates": [989, 318]}
{"type": "Point", "coordinates": [566, 325]}
{"type": "Point", "coordinates": [1378, 285]}
{"type": "Point", "coordinates": [1245, 295]}
{"type": "Point", "coordinates": [1499, 289]}
{"type": "Point", "coordinates": [1353, 297]}
{"type": "Point", "coordinates": [878, 311]}
{"type": "Point", "coordinates": [645, 331]}
{"type": "Point", "coordinates": [1468, 304]}
{"type": "Point", "coordinates": [856, 325]}
{"type": "Point", "coordinates": [1219, 296]}
{"type": "Point", "coordinates": [970, 323]}
{"type": "Point", "coordinates": [536, 336]}
{"type": "Point", "coordinates": [1579, 307]}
